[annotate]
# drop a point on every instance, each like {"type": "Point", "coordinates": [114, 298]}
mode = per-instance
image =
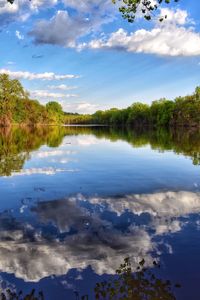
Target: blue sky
{"type": "Point", "coordinates": [85, 56]}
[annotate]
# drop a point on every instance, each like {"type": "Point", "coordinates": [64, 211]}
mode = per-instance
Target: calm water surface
{"type": "Point", "coordinates": [76, 201]}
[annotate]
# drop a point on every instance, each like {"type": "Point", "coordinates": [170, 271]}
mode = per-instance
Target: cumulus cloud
{"type": "Point", "coordinates": [21, 10]}
{"type": "Point", "coordinates": [88, 6]}
{"type": "Point", "coordinates": [168, 41]}
{"type": "Point", "coordinates": [99, 11]}
{"type": "Point", "coordinates": [170, 38]}
{"type": "Point", "coordinates": [61, 30]}
{"type": "Point", "coordinates": [41, 76]}
{"type": "Point", "coordinates": [177, 16]}
{"type": "Point", "coordinates": [47, 94]}
{"type": "Point", "coordinates": [66, 29]}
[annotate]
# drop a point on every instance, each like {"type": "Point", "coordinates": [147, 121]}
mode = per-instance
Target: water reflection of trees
{"type": "Point", "coordinates": [17, 143]}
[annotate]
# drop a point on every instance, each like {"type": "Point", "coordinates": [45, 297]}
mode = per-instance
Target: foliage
{"type": "Point", "coordinates": [16, 107]}
{"type": "Point", "coordinates": [10, 92]}
{"type": "Point", "coordinates": [55, 112]}
{"type": "Point", "coordinates": [182, 112]}
{"type": "Point", "coordinates": [130, 8]}
{"type": "Point", "coordinates": [10, 295]}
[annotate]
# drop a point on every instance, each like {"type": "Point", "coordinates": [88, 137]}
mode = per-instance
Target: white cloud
{"type": "Point", "coordinates": [177, 16]}
{"type": "Point", "coordinates": [61, 30]}
{"type": "Point", "coordinates": [62, 87]}
{"type": "Point", "coordinates": [21, 10]}
{"type": "Point", "coordinates": [41, 76]}
{"type": "Point", "coordinates": [66, 29]}
{"type": "Point", "coordinates": [8, 8]}
{"type": "Point", "coordinates": [19, 35]}
{"type": "Point", "coordinates": [46, 94]}
{"type": "Point", "coordinates": [89, 6]}
{"type": "Point", "coordinates": [51, 153]}
{"type": "Point", "coordinates": [170, 38]}
{"type": "Point", "coordinates": [80, 107]}
{"type": "Point", "coordinates": [168, 41]}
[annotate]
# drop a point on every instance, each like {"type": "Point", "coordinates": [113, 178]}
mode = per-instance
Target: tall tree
{"type": "Point", "coordinates": [10, 91]}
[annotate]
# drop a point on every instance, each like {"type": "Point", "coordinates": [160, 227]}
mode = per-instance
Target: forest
{"type": "Point", "coordinates": [16, 107]}
{"type": "Point", "coordinates": [181, 112]}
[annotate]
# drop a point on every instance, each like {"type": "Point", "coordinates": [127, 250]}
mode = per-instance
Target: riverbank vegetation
{"type": "Point", "coordinates": [181, 112]}
{"type": "Point", "coordinates": [16, 107]}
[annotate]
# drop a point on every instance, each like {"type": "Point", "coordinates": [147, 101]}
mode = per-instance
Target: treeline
{"type": "Point", "coordinates": [182, 112]}
{"type": "Point", "coordinates": [17, 108]}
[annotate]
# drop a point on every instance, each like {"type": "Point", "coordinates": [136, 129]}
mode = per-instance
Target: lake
{"type": "Point", "coordinates": [76, 201]}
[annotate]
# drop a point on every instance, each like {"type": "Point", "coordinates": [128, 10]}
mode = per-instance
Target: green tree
{"type": "Point", "coordinates": [55, 112]}
{"type": "Point", "coordinates": [10, 91]}
{"type": "Point", "coordinates": [161, 112]}
{"type": "Point", "coordinates": [139, 114]}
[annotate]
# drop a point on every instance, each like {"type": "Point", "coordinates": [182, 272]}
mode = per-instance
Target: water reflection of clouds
{"type": "Point", "coordinates": [87, 140]}
{"type": "Point", "coordinates": [164, 208]}
{"type": "Point", "coordinates": [82, 140]}
{"type": "Point", "coordinates": [50, 153]}
{"type": "Point", "coordinates": [63, 161]}
{"type": "Point", "coordinates": [42, 171]}
{"type": "Point", "coordinates": [74, 233]}
{"type": "Point", "coordinates": [102, 249]}
{"type": "Point", "coordinates": [165, 204]}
